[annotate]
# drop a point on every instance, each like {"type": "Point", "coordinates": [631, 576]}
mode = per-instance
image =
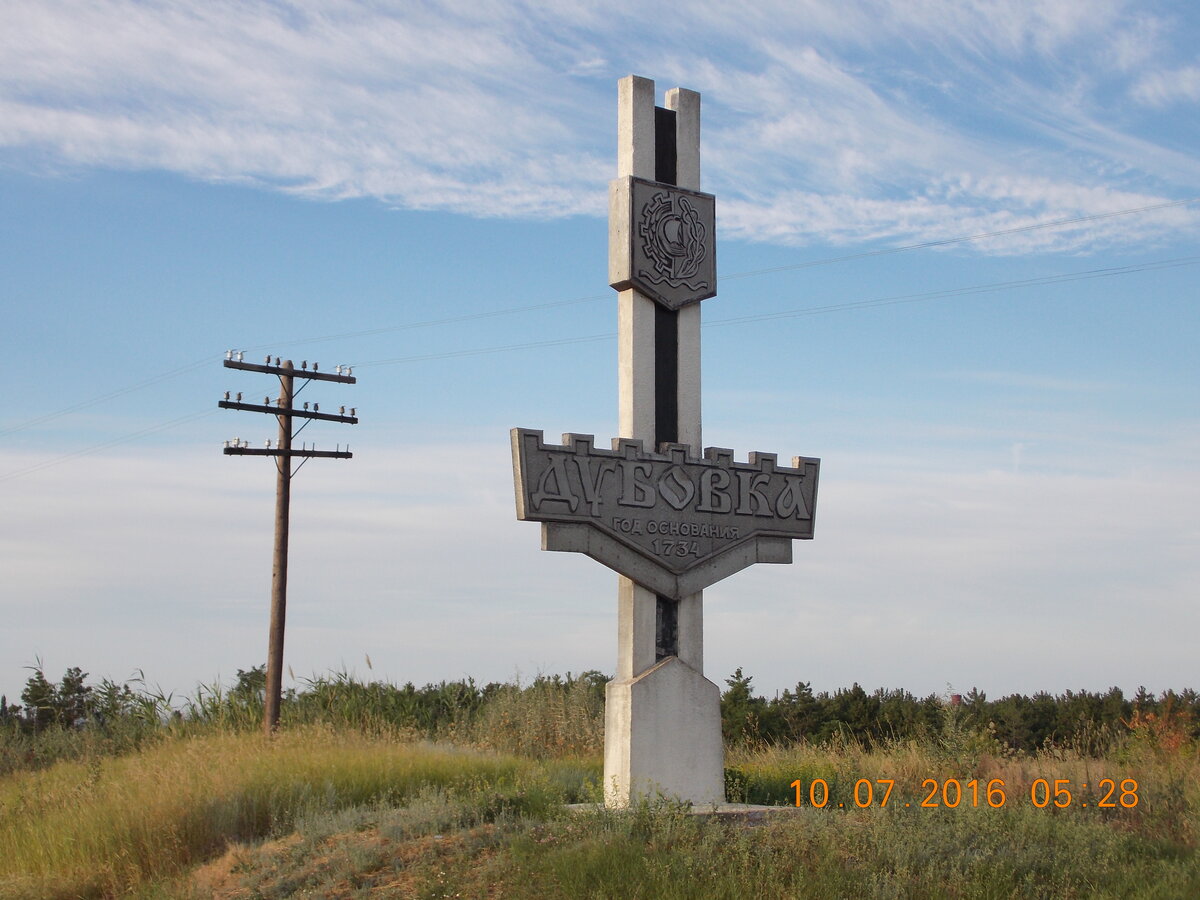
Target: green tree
{"type": "Point", "coordinates": [854, 712]}
{"type": "Point", "coordinates": [73, 698]}
{"type": "Point", "coordinates": [801, 715]}
{"type": "Point", "coordinates": [41, 700]}
{"type": "Point", "coordinates": [250, 685]}
{"type": "Point", "coordinates": [741, 711]}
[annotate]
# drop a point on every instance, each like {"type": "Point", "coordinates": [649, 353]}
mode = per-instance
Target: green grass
{"type": "Point", "coordinates": [440, 846]}
{"type": "Point", "coordinates": [900, 852]}
{"type": "Point", "coordinates": [346, 802]}
{"type": "Point", "coordinates": [345, 813]}
{"type": "Point", "coordinates": [109, 825]}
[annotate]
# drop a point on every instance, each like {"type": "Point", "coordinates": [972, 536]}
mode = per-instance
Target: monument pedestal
{"type": "Point", "coordinates": [662, 737]}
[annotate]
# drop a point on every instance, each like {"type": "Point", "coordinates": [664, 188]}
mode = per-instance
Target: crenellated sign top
{"type": "Point", "coordinates": [669, 521]}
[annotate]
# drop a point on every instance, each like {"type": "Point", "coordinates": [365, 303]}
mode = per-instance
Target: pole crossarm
{"type": "Point", "coordinates": [259, 451]}
{"type": "Point", "coordinates": [283, 411]}
{"type": "Point", "coordinates": [280, 370]}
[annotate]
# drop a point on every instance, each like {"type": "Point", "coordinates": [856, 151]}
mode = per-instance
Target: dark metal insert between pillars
{"type": "Point", "coordinates": [666, 372]}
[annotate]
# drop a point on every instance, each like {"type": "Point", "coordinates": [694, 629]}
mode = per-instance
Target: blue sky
{"type": "Point", "coordinates": [1008, 425]}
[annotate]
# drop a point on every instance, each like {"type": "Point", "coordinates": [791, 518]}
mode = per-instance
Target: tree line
{"type": "Point", "coordinates": [1085, 721]}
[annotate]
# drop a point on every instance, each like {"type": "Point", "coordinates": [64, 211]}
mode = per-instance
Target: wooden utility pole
{"type": "Point", "coordinates": [284, 410]}
{"type": "Point", "coordinates": [279, 559]}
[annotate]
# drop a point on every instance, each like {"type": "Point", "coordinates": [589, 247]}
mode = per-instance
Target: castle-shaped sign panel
{"type": "Point", "coordinates": [672, 523]}
{"type": "Point", "coordinates": [662, 241]}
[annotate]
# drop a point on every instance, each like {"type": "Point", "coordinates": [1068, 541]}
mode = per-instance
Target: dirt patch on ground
{"type": "Point", "coordinates": [219, 878]}
{"type": "Point", "coordinates": [351, 864]}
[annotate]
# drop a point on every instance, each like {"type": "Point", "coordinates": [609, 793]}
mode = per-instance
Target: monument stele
{"type": "Point", "coordinates": [668, 519]}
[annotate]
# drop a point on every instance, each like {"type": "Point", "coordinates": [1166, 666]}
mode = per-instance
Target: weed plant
{"type": "Point", "coordinates": [550, 718]}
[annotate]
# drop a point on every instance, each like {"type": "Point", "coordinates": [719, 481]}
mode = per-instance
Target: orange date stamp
{"type": "Point", "coordinates": [951, 793]}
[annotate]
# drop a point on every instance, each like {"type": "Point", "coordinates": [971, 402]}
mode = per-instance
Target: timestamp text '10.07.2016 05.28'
{"type": "Point", "coordinates": [951, 793]}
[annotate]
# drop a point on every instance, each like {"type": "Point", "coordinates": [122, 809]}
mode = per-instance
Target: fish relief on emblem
{"type": "Point", "coordinates": [673, 242]}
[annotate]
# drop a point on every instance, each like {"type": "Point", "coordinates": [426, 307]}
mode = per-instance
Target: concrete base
{"type": "Point", "coordinates": [662, 737]}
{"type": "Point", "coordinates": [746, 813]}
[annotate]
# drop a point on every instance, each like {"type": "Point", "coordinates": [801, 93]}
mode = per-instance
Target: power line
{"type": "Point", "coordinates": [483, 351]}
{"type": "Point", "coordinates": [991, 287]}
{"type": "Point", "coordinates": [86, 451]}
{"type": "Point", "coordinates": [450, 320]}
{"type": "Point", "coordinates": [111, 395]}
{"type": "Point", "coordinates": [964, 291]}
{"type": "Point", "coordinates": [552, 304]}
{"type": "Point", "coordinates": [286, 412]}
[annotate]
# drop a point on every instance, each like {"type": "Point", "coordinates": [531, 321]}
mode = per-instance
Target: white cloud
{"type": "Point", "coordinates": [1137, 43]}
{"type": "Point", "coordinates": [1167, 88]}
{"type": "Point", "coordinates": [824, 121]}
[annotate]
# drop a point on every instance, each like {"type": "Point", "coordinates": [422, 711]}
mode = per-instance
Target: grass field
{"type": "Point", "coordinates": [343, 814]}
{"type": "Point", "coordinates": [338, 806]}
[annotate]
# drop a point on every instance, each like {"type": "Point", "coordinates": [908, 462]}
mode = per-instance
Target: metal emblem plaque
{"type": "Point", "coordinates": [662, 241]}
{"type": "Point", "coordinates": [673, 523]}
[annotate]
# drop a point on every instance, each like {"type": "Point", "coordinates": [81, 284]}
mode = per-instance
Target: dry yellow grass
{"type": "Point", "coordinates": [104, 826]}
{"type": "Point", "coordinates": [365, 803]}
{"type": "Point", "coordinates": [1165, 800]}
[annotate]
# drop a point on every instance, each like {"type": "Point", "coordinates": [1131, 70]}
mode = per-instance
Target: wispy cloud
{"type": "Point", "coordinates": [833, 122]}
{"type": "Point", "coordinates": [1165, 88]}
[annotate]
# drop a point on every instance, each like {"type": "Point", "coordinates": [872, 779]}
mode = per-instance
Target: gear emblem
{"type": "Point", "coordinates": [663, 243]}
{"type": "Point", "coordinates": [673, 240]}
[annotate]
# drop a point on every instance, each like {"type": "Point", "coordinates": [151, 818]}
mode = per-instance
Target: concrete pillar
{"type": "Point", "coordinates": [663, 720]}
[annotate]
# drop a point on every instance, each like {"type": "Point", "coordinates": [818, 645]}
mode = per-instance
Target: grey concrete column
{"type": "Point", "coordinates": [687, 136]}
{"type": "Point", "coordinates": [662, 717]}
{"type": "Point", "coordinates": [635, 127]}
{"type": "Point", "coordinates": [636, 606]}
{"type": "Point", "coordinates": [636, 622]}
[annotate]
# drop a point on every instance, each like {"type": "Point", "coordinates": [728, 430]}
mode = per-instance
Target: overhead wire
{"type": "Point", "coordinates": [990, 287]}
{"type": "Point", "coordinates": [964, 291]}
{"type": "Point", "coordinates": [111, 395]}
{"type": "Point", "coordinates": [429, 323]}
{"type": "Point", "coordinates": [804, 311]}
{"type": "Point", "coordinates": [514, 310]}
{"type": "Point", "coordinates": [104, 445]}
